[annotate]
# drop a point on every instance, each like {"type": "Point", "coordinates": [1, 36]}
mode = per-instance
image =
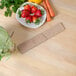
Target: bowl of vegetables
{"type": "Point", "coordinates": [31, 15]}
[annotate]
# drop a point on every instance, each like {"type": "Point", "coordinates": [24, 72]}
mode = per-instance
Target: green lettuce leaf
{"type": "Point", "coordinates": [5, 43]}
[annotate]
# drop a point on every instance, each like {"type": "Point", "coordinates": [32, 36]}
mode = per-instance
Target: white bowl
{"type": "Point", "coordinates": [31, 25]}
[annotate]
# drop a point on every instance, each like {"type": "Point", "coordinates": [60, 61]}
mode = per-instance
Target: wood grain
{"type": "Point", "coordinates": [55, 57]}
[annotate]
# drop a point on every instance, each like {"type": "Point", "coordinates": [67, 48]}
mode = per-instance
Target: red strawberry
{"type": "Point", "coordinates": [33, 9]}
{"type": "Point", "coordinates": [27, 7]}
{"type": "Point", "coordinates": [38, 13]}
{"type": "Point", "coordinates": [35, 19]}
{"type": "Point", "coordinates": [25, 13]}
{"type": "Point", "coordinates": [29, 19]}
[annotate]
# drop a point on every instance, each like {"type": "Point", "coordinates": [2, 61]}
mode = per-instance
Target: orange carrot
{"type": "Point", "coordinates": [50, 8]}
{"type": "Point", "coordinates": [47, 12]}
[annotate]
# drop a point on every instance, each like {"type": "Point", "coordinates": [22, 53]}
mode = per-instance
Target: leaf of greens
{"type": "Point", "coordinates": [37, 21]}
{"type": "Point", "coordinates": [1, 57]}
{"type": "Point", "coordinates": [8, 3]}
{"type": "Point", "coordinates": [1, 7]}
{"type": "Point", "coordinates": [19, 13]}
{"type": "Point", "coordinates": [6, 13]}
{"type": "Point", "coordinates": [28, 21]}
{"type": "Point", "coordinates": [10, 13]}
{"type": "Point", "coordinates": [42, 12]}
{"type": "Point", "coordinates": [22, 0]}
{"type": "Point", "coordinates": [14, 9]}
{"type": "Point", "coordinates": [5, 43]}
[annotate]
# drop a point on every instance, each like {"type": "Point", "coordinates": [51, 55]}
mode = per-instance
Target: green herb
{"type": "Point", "coordinates": [6, 13]}
{"type": "Point", "coordinates": [1, 7]}
{"type": "Point", "coordinates": [15, 4]}
{"type": "Point", "coordinates": [28, 21]}
{"type": "Point", "coordinates": [1, 58]}
{"type": "Point", "coordinates": [37, 21]}
{"type": "Point", "coordinates": [14, 9]}
{"type": "Point", "coordinates": [25, 4]}
{"type": "Point", "coordinates": [19, 13]}
{"type": "Point", "coordinates": [10, 13]}
{"type": "Point", "coordinates": [42, 12]}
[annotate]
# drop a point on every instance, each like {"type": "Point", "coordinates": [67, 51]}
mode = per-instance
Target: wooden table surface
{"type": "Point", "coordinates": [55, 57]}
